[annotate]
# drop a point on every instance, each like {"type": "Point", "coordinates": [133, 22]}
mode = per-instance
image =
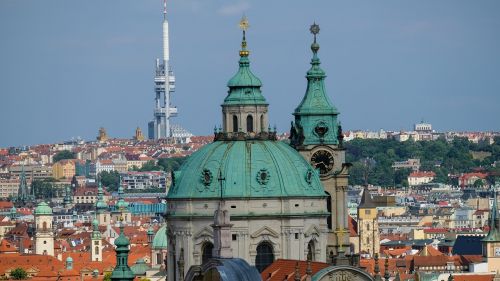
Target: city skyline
{"type": "Point", "coordinates": [68, 69]}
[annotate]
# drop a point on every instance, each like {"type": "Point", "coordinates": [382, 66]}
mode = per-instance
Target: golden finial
{"type": "Point", "coordinates": [244, 23]}
{"type": "Point", "coordinates": [244, 26]}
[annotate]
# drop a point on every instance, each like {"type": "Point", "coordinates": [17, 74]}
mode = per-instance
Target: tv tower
{"type": "Point", "coordinates": [164, 84]}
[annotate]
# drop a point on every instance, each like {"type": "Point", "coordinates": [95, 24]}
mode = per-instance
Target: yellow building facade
{"type": "Point", "coordinates": [64, 169]}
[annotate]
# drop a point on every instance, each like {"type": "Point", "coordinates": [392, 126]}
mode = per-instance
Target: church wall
{"type": "Point", "coordinates": [254, 222]}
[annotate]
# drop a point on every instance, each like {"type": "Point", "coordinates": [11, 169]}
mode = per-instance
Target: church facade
{"type": "Point", "coordinates": [274, 191]}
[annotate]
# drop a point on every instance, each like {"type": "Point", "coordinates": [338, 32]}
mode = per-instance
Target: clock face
{"type": "Point", "coordinates": [497, 251]}
{"type": "Point", "coordinates": [322, 160]}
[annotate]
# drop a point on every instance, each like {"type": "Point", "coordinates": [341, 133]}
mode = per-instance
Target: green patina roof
{"type": "Point", "coordinates": [140, 267]}
{"type": "Point", "coordinates": [243, 164]}
{"type": "Point", "coordinates": [43, 209]}
{"type": "Point", "coordinates": [160, 240]}
{"type": "Point", "coordinates": [316, 116]}
{"type": "Point", "coordinates": [244, 86]}
{"type": "Point", "coordinates": [315, 101]}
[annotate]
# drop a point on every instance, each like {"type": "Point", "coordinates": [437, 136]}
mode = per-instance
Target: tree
{"type": "Point", "coordinates": [111, 180]}
{"type": "Point", "coordinates": [150, 166]}
{"type": "Point", "coordinates": [64, 154]}
{"type": "Point", "coordinates": [44, 188]}
{"type": "Point", "coordinates": [19, 274]}
{"type": "Point", "coordinates": [171, 164]}
{"type": "Point", "coordinates": [107, 277]}
{"type": "Point", "coordinates": [478, 183]}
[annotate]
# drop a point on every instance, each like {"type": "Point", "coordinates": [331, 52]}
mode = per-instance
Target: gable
{"type": "Point", "coordinates": [265, 231]}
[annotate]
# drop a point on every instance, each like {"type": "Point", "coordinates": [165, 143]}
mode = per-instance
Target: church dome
{"type": "Point", "coordinates": [250, 168]}
{"type": "Point", "coordinates": [160, 240]}
{"type": "Point", "coordinates": [122, 241]}
{"type": "Point", "coordinates": [43, 209]}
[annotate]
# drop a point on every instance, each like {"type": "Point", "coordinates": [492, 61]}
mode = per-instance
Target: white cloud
{"type": "Point", "coordinates": [234, 9]}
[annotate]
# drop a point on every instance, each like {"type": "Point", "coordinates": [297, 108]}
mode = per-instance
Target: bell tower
{"type": "Point", "coordinates": [317, 135]}
{"type": "Point", "coordinates": [44, 237]}
{"type": "Point", "coordinates": [96, 247]}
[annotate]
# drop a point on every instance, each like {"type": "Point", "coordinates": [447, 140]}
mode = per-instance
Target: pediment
{"type": "Point", "coordinates": [265, 231]}
{"type": "Point", "coordinates": [313, 230]}
{"type": "Point", "coordinates": [204, 232]}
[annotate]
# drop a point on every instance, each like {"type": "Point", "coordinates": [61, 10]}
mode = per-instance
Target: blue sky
{"type": "Point", "coordinates": [69, 67]}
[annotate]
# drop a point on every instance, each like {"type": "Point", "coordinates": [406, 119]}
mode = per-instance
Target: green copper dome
{"type": "Point", "coordinates": [43, 209]}
{"type": "Point", "coordinates": [122, 241]}
{"type": "Point", "coordinates": [251, 168]}
{"type": "Point", "coordinates": [160, 240]}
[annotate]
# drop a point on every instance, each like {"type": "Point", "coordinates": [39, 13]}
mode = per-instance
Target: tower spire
{"type": "Point", "coordinates": [315, 104]}
{"type": "Point", "coordinates": [493, 233]}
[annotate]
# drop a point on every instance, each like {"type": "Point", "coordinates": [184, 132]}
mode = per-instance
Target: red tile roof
{"type": "Point", "coordinates": [282, 268]}
{"type": "Point", "coordinates": [422, 174]}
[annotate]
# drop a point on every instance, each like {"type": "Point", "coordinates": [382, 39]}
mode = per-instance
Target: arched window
{"type": "Point", "coordinates": [159, 258]}
{"type": "Point", "coordinates": [329, 210]}
{"type": "Point", "coordinates": [235, 123]}
{"type": "Point", "coordinates": [311, 250]}
{"type": "Point", "coordinates": [44, 225]}
{"type": "Point", "coordinates": [265, 256]}
{"type": "Point", "coordinates": [249, 123]}
{"type": "Point", "coordinates": [207, 252]}
{"type": "Point", "coordinates": [96, 250]}
{"type": "Point", "coordinates": [262, 127]}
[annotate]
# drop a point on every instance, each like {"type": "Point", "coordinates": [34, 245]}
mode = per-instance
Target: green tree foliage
{"type": "Point", "coordinates": [44, 189]}
{"type": "Point", "coordinates": [64, 154]}
{"type": "Point", "coordinates": [171, 164]}
{"type": "Point", "coordinates": [19, 274]}
{"type": "Point", "coordinates": [442, 157]}
{"type": "Point", "coordinates": [149, 166]}
{"type": "Point", "coordinates": [107, 276]}
{"type": "Point", "coordinates": [111, 180]}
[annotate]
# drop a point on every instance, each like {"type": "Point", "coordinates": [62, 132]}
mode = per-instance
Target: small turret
{"type": "Point", "coordinates": [122, 271]}
{"type": "Point", "coordinates": [69, 263]}
{"type": "Point", "coordinates": [150, 234]}
{"type": "Point", "coordinates": [101, 205]}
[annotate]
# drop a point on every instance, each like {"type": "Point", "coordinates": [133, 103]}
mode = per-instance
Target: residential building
{"type": "Point", "coordinates": [413, 164]}
{"type": "Point", "coordinates": [144, 180]}
{"type": "Point", "coordinates": [469, 179]}
{"type": "Point", "coordinates": [418, 178]}
{"type": "Point", "coordinates": [64, 169]}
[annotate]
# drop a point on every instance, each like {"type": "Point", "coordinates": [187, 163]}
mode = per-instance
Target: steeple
{"type": "Point", "coordinates": [493, 233]}
{"type": "Point", "coordinates": [121, 205]}
{"type": "Point", "coordinates": [68, 197]}
{"type": "Point", "coordinates": [23, 193]}
{"type": "Point", "coordinates": [101, 206]}
{"type": "Point", "coordinates": [122, 271]}
{"type": "Point", "coordinates": [244, 109]}
{"type": "Point", "coordinates": [315, 117]}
